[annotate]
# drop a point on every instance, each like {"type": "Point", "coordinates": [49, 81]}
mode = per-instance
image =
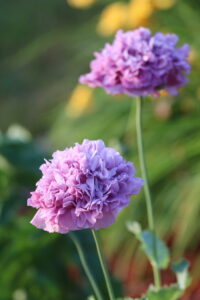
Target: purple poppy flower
{"type": "Point", "coordinates": [85, 186]}
{"type": "Point", "coordinates": [139, 64]}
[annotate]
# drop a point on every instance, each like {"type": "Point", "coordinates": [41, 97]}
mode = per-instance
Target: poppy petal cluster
{"type": "Point", "coordinates": [81, 187]}
{"type": "Point", "coordinates": [138, 63]}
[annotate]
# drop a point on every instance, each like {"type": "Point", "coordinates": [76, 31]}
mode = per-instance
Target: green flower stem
{"type": "Point", "coordinates": [103, 266]}
{"type": "Point", "coordinates": [85, 266]}
{"type": "Point", "coordinates": [143, 167]}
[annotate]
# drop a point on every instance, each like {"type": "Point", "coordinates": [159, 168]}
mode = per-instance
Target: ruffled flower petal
{"type": "Point", "coordinates": [83, 187]}
{"type": "Point", "coordinates": [139, 64]}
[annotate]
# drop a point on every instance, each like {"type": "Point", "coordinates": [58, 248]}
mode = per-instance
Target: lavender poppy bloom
{"type": "Point", "coordinates": [139, 64]}
{"type": "Point", "coordinates": [85, 186]}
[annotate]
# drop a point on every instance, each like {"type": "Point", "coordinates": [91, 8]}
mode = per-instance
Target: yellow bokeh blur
{"type": "Point", "coordinates": [112, 18]}
{"type": "Point", "coordinates": [120, 15]}
{"type": "Point", "coordinates": [193, 55]}
{"type": "Point", "coordinates": [164, 93]}
{"type": "Point", "coordinates": [163, 4]}
{"type": "Point", "coordinates": [81, 3]}
{"type": "Point", "coordinates": [79, 101]}
{"type": "Point", "coordinates": [124, 15]}
{"type": "Point", "coordinates": [139, 11]}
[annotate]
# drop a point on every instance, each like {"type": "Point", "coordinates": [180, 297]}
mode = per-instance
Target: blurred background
{"type": "Point", "coordinates": [45, 47]}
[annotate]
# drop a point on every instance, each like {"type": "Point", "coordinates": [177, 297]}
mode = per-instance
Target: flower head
{"type": "Point", "coordinates": [138, 64]}
{"type": "Point", "coordinates": [83, 187]}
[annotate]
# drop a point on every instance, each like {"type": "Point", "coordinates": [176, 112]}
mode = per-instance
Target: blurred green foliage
{"type": "Point", "coordinates": [45, 46]}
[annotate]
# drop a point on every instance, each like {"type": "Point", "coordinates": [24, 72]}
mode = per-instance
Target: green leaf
{"type": "Point", "coordinates": [158, 254]}
{"type": "Point", "coordinates": [181, 270]}
{"type": "Point", "coordinates": [155, 249]}
{"type": "Point", "coordinates": [171, 292]}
